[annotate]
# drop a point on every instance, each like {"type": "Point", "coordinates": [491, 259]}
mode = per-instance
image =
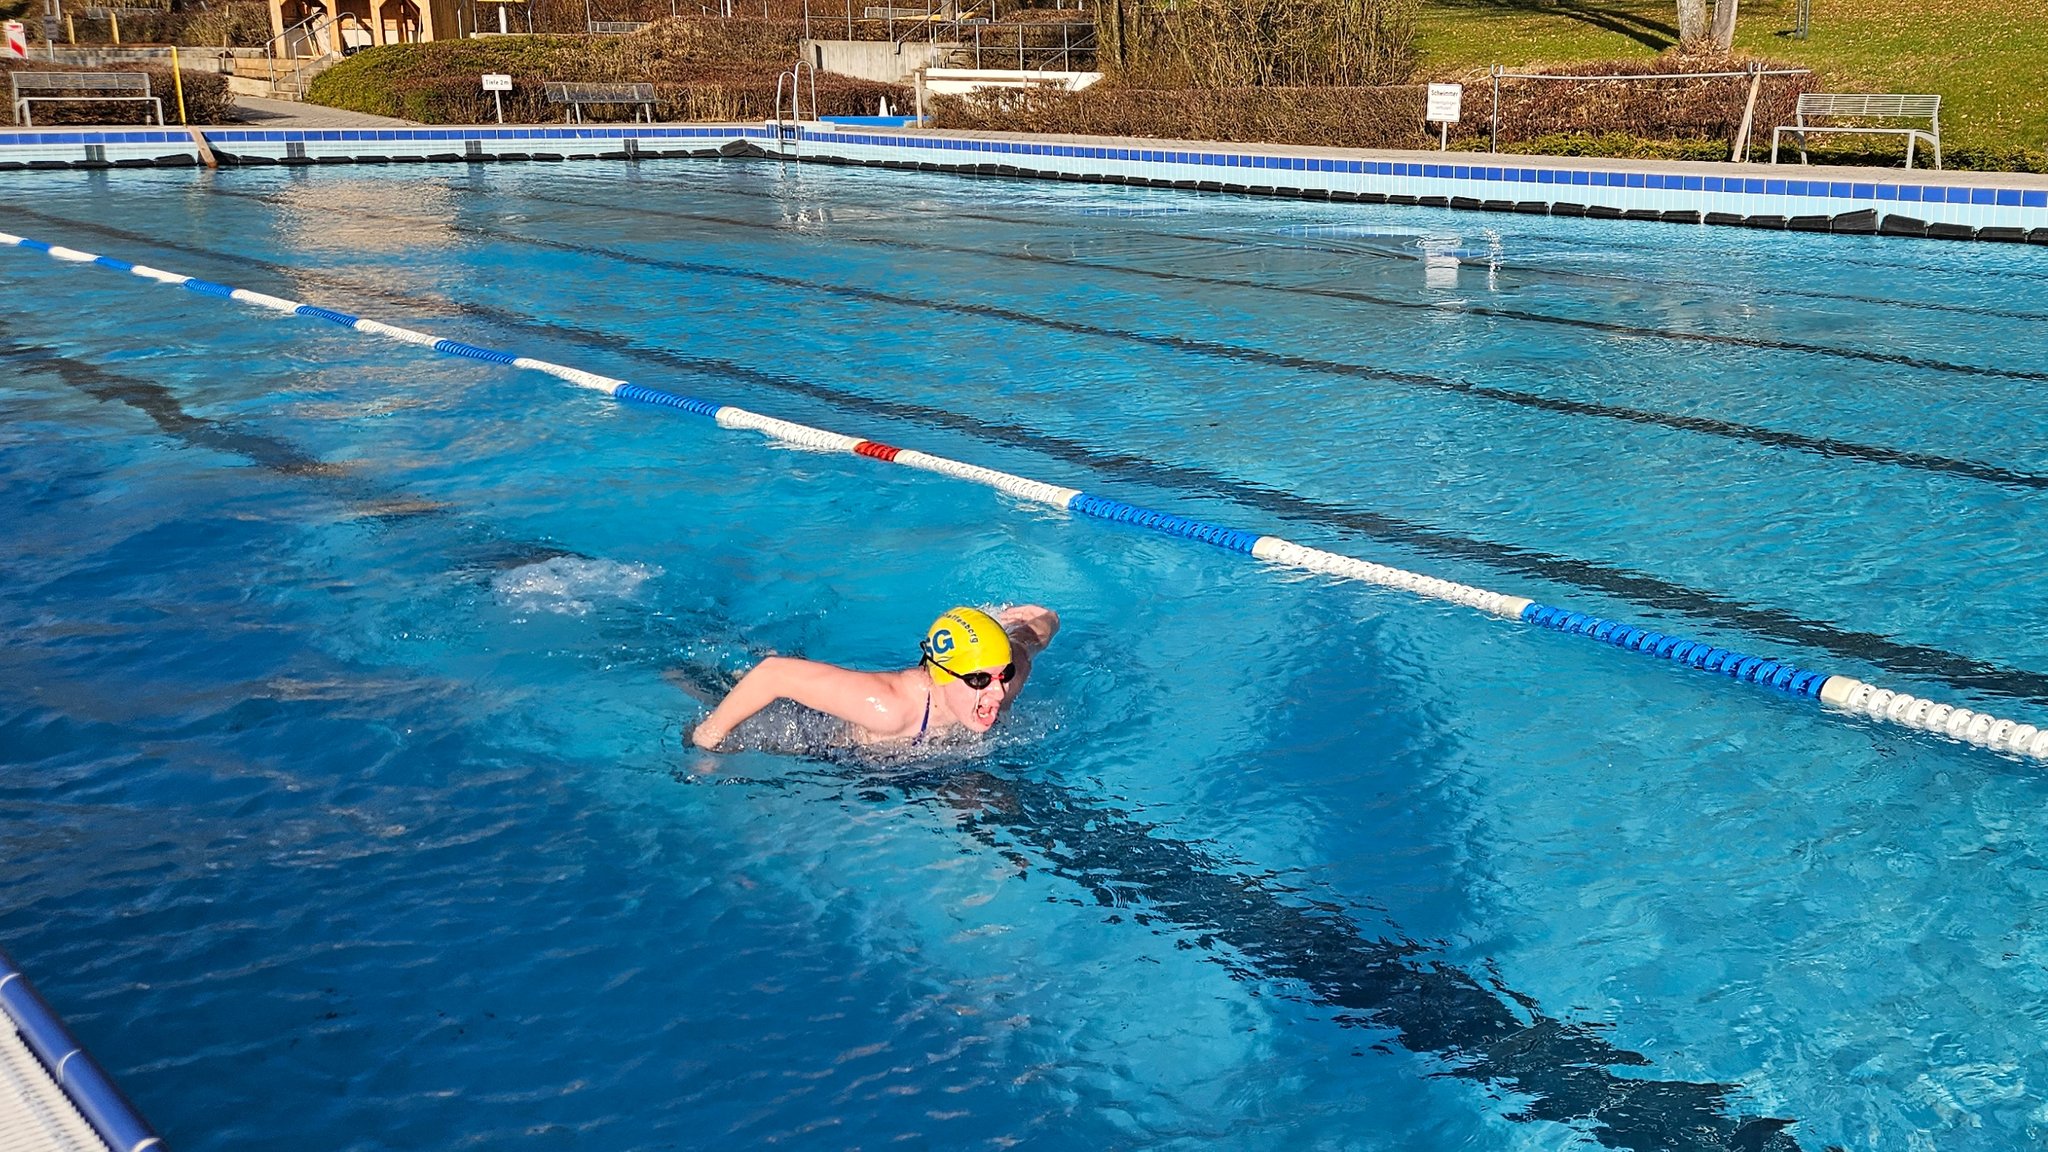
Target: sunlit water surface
{"type": "Point", "coordinates": [343, 714]}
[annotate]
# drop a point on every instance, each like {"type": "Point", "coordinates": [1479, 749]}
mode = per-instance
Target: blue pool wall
{"type": "Point", "coordinates": [1951, 205]}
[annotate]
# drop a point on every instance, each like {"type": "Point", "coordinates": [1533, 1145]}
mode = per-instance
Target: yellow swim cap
{"type": "Point", "coordinates": [963, 640]}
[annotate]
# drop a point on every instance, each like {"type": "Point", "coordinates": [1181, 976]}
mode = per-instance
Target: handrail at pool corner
{"type": "Point", "coordinates": [82, 1080]}
{"type": "Point", "coordinates": [1841, 693]}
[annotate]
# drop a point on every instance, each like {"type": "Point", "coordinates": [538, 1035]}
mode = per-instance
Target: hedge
{"type": "Point", "coordinates": [206, 97]}
{"type": "Point", "coordinates": [701, 69]}
{"type": "Point", "coordinates": [1691, 116]}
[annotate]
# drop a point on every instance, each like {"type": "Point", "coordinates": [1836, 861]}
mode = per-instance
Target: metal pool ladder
{"type": "Point", "coordinates": [788, 133]}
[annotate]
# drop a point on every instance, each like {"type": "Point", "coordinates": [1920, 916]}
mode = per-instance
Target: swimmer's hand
{"type": "Point", "coordinates": [708, 736]}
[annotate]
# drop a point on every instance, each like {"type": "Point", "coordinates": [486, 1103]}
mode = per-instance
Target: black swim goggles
{"type": "Point", "coordinates": [974, 680]}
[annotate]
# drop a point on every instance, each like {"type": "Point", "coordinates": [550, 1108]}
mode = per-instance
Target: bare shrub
{"type": "Point", "coordinates": [701, 69]}
{"type": "Point", "coordinates": [1592, 117]}
{"type": "Point", "coordinates": [1692, 108]}
{"type": "Point", "coordinates": [1256, 43]}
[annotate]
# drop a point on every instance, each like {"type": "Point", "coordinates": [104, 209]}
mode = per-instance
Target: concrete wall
{"type": "Point", "coordinates": [89, 56]}
{"type": "Point", "coordinates": [875, 59]}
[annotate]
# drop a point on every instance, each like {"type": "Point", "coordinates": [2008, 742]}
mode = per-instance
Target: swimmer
{"type": "Point", "coordinates": [971, 666]}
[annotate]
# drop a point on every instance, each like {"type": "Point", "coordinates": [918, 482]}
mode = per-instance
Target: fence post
{"type": "Point", "coordinates": [1493, 125]}
{"type": "Point", "coordinates": [178, 85]}
{"type": "Point", "coordinates": [1756, 81]}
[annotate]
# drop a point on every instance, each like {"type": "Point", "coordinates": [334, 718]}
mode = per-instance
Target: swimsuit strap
{"type": "Point", "coordinates": [927, 721]}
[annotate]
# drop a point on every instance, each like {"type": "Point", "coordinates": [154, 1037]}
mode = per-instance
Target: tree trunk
{"type": "Point", "coordinates": [1724, 25]}
{"type": "Point", "coordinates": [1692, 25]}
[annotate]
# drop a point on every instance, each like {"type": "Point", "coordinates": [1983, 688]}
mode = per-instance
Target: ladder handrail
{"type": "Point", "coordinates": [792, 127]}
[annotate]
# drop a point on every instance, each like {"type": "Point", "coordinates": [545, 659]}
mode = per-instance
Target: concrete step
{"type": "Point", "coordinates": [280, 79]}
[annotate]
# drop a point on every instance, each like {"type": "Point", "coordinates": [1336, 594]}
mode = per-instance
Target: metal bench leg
{"type": "Point", "coordinates": [1912, 138]}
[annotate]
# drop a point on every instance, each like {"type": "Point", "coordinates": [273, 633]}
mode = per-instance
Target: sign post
{"type": "Point", "coordinates": [495, 83]}
{"type": "Point", "coordinates": [1444, 102]}
{"type": "Point", "coordinates": [17, 40]}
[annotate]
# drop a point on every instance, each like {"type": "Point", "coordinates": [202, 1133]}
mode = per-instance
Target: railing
{"type": "Point", "coordinates": [305, 33]}
{"type": "Point", "coordinates": [307, 43]}
{"type": "Point", "coordinates": [788, 133]}
{"type": "Point", "coordinates": [1754, 74]}
{"type": "Point", "coordinates": [937, 17]}
{"type": "Point", "coordinates": [1065, 46]}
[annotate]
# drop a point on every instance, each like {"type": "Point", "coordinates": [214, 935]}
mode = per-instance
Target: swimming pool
{"type": "Point", "coordinates": [344, 742]}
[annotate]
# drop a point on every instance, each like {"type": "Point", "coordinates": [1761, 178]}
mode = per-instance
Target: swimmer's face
{"type": "Point", "coordinates": [977, 708]}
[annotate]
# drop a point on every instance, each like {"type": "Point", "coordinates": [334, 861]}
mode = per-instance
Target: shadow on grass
{"type": "Point", "coordinates": [1655, 34]}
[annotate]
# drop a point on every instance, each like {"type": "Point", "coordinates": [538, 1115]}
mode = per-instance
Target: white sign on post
{"type": "Point", "coordinates": [17, 40]}
{"type": "Point", "coordinates": [1444, 101]}
{"type": "Point", "coordinates": [494, 83]}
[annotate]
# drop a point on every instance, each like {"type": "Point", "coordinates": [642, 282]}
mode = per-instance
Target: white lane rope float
{"type": "Point", "coordinates": [1844, 693]}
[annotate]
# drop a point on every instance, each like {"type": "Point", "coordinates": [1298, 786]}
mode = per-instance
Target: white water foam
{"type": "Point", "coordinates": [569, 585]}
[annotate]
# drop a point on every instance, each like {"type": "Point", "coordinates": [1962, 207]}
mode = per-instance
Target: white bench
{"type": "Point", "coordinates": [576, 96]}
{"type": "Point", "coordinates": [614, 27]}
{"type": "Point", "coordinates": [87, 87]}
{"type": "Point", "coordinates": [1828, 106]}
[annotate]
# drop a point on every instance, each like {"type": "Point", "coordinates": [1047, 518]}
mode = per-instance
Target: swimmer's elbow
{"type": "Point", "coordinates": [1037, 623]}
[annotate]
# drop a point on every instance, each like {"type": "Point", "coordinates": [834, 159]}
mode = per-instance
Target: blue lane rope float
{"type": "Point", "coordinates": [1843, 693]}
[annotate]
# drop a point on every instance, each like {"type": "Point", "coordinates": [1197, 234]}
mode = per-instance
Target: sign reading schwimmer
{"type": "Point", "coordinates": [1444, 102]}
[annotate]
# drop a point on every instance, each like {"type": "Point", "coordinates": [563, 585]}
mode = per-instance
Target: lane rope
{"type": "Point", "coordinates": [1842, 693]}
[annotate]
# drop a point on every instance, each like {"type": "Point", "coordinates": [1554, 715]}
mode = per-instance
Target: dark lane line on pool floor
{"type": "Point", "coordinates": [1250, 238]}
{"type": "Point", "coordinates": [1747, 433]}
{"type": "Point", "coordinates": [1776, 625]}
{"type": "Point", "coordinates": [1246, 237]}
{"type": "Point", "coordinates": [363, 498]}
{"type": "Point", "coordinates": [1827, 447]}
{"type": "Point", "coordinates": [1606, 327]}
{"type": "Point", "coordinates": [1435, 1008]}
{"type": "Point", "coordinates": [1535, 272]}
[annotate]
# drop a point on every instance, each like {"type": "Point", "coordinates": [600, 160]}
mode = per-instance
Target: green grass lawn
{"type": "Point", "coordinates": [1988, 59]}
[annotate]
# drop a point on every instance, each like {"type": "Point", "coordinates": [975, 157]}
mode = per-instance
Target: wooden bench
{"type": "Point", "coordinates": [1829, 106]}
{"type": "Point", "coordinates": [575, 97]}
{"type": "Point", "coordinates": [85, 87]}
{"type": "Point", "coordinates": [613, 27]}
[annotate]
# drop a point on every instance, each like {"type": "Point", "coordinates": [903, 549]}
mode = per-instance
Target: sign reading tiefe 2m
{"type": "Point", "coordinates": [497, 82]}
{"type": "Point", "coordinates": [1444, 100]}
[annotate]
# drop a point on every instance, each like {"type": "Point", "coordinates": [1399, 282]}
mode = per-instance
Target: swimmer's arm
{"type": "Point", "coordinates": [1031, 628]}
{"type": "Point", "coordinates": [859, 698]}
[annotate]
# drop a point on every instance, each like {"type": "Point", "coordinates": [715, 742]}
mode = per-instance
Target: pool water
{"type": "Point", "coordinates": [343, 722]}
